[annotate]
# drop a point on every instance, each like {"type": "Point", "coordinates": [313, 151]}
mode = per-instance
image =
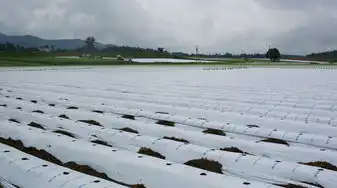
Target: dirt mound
{"type": "Point", "coordinates": [36, 125]}
{"type": "Point", "coordinates": [276, 141]}
{"type": "Point", "coordinates": [42, 154]}
{"type": "Point", "coordinates": [317, 185]}
{"type": "Point", "coordinates": [98, 111]}
{"type": "Point", "coordinates": [138, 186]}
{"type": "Point", "coordinates": [65, 133]}
{"type": "Point", "coordinates": [86, 170]}
{"type": "Point", "coordinates": [64, 116]}
{"type": "Point", "coordinates": [206, 164]}
{"type": "Point", "coordinates": [72, 108]}
{"type": "Point", "coordinates": [232, 149]}
{"type": "Point", "coordinates": [38, 111]}
{"type": "Point", "coordinates": [14, 120]}
{"type": "Point", "coordinates": [101, 142]}
{"type": "Point", "coordinates": [291, 186]}
{"type": "Point", "coordinates": [91, 122]}
{"type": "Point", "coordinates": [127, 129]}
{"type": "Point", "coordinates": [176, 139]}
{"type": "Point", "coordinates": [253, 126]}
{"type": "Point", "coordinates": [166, 123]}
{"type": "Point", "coordinates": [214, 131]}
{"type": "Point", "coordinates": [322, 164]}
{"type": "Point", "coordinates": [125, 116]}
{"type": "Point", "coordinates": [166, 113]}
{"type": "Point", "coordinates": [150, 152]}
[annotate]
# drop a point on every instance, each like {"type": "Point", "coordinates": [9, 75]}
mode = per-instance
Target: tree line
{"type": "Point", "coordinates": [126, 51]}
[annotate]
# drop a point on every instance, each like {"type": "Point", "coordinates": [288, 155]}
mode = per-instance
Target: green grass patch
{"type": "Point", "coordinates": [55, 61]}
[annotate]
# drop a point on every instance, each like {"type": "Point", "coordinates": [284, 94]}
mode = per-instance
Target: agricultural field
{"type": "Point", "coordinates": [168, 127]}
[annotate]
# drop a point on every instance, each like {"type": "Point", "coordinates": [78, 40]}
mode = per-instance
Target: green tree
{"type": "Point", "coordinates": [90, 43]}
{"type": "Point", "coordinates": [273, 54]}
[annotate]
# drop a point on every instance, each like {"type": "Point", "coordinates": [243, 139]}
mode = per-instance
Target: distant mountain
{"type": "Point", "coordinates": [33, 41]}
{"type": "Point", "coordinates": [323, 56]}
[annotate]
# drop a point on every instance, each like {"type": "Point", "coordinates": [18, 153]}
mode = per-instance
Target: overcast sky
{"type": "Point", "coordinates": [293, 26]}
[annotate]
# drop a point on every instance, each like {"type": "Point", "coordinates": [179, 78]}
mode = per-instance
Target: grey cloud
{"type": "Point", "coordinates": [318, 35]}
{"type": "Point", "coordinates": [216, 26]}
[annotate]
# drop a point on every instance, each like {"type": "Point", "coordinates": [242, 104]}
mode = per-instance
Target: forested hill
{"type": "Point", "coordinates": [36, 42]}
{"type": "Point", "coordinates": [324, 56]}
